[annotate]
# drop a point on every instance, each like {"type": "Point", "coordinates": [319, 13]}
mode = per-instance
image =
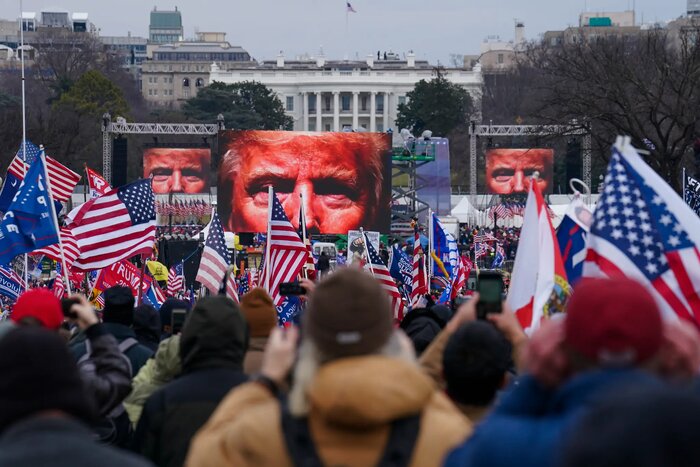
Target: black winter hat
{"type": "Point", "coordinates": [39, 374]}
{"type": "Point", "coordinates": [215, 334]}
{"type": "Point", "coordinates": [119, 305]}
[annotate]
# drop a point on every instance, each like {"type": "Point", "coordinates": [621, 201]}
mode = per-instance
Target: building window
{"type": "Point", "coordinates": [186, 82]}
{"type": "Point", "coordinates": [290, 103]}
{"type": "Point", "coordinates": [380, 103]}
{"type": "Point", "coordinates": [186, 93]}
{"type": "Point", "coordinates": [380, 127]}
{"type": "Point", "coordinates": [312, 103]}
{"type": "Point", "coordinates": [199, 82]}
{"type": "Point", "coordinates": [150, 92]}
{"type": "Point", "coordinates": [500, 59]}
{"type": "Point", "coordinates": [345, 102]}
{"type": "Point", "coordinates": [402, 100]}
{"type": "Point", "coordinates": [327, 105]}
{"type": "Point", "coordinates": [155, 92]}
{"type": "Point", "coordinates": [364, 102]}
{"type": "Point", "coordinates": [328, 127]}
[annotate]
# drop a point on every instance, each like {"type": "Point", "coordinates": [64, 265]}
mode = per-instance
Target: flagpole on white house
{"type": "Point", "coordinates": [302, 224]}
{"type": "Point", "coordinates": [270, 194]}
{"type": "Point", "coordinates": [52, 207]}
{"type": "Point", "coordinates": [24, 128]}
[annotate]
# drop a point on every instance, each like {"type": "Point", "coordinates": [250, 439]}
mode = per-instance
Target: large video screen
{"type": "Point", "coordinates": [508, 171]}
{"type": "Point", "coordinates": [178, 170]}
{"type": "Point", "coordinates": [345, 179]}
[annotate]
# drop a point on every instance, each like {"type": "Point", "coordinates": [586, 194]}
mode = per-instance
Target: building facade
{"type": "Point", "coordinates": [175, 72]}
{"type": "Point", "coordinates": [339, 95]}
{"type": "Point", "coordinates": [165, 26]}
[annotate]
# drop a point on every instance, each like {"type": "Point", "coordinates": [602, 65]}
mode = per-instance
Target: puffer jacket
{"type": "Point", "coordinates": [353, 402]}
{"type": "Point", "coordinates": [156, 373]}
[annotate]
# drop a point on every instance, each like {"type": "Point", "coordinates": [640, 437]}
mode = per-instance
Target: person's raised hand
{"type": "Point", "coordinates": [84, 314]}
{"type": "Point", "coordinates": [544, 356]}
{"type": "Point", "coordinates": [679, 356]}
{"type": "Point", "coordinates": [508, 324]}
{"type": "Point", "coordinates": [466, 313]}
{"type": "Point", "coordinates": [280, 353]}
{"type": "Point", "coordinates": [308, 285]}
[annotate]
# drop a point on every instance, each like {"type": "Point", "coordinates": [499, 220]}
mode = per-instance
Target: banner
{"type": "Point", "coordinates": [691, 193]}
{"type": "Point", "coordinates": [122, 273]}
{"type": "Point", "coordinates": [356, 245]}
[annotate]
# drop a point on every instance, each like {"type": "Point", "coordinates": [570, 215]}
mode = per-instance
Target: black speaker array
{"type": "Point", "coordinates": [119, 151]}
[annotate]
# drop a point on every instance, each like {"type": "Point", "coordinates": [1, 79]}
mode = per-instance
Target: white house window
{"type": "Point", "coordinates": [290, 103]}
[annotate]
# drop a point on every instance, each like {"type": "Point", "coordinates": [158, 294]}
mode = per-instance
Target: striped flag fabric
{"type": "Point", "coordinates": [215, 257]}
{"type": "Point", "coordinates": [117, 225]}
{"type": "Point", "coordinates": [288, 254]}
{"type": "Point", "coordinates": [378, 269]}
{"type": "Point", "coordinates": [59, 287]}
{"type": "Point", "coordinates": [70, 248]}
{"type": "Point", "coordinates": [643, 230]}
{"type": "Point", "coordinates": [232, 288]}
{"type": "Point", "coordinates": [419, 285]}
{"type": "Point", "coordinates": [176, 280]}
{"type": "Point", "coordinates": [62, 179]}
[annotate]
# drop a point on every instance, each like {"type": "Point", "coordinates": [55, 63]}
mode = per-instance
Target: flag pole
{"type": "Point", "coordinates": [431, 241]}
{"type": "Point", "coordinates": [365, 238]}
{"type": "Point", "coordinates": [24, 130]}
{"type": "Point", "coordinates": [270, 194]}
{"type": "Point", "coordinates": [302, 224]}
{"type": "Point", "coordinates": [52, 206]}
{"type": "Point", "coordinates": [684, 179]}
{"type": "Point", "coordinates": [143, 271]}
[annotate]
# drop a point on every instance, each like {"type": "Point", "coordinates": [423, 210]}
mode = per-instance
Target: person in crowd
{"type": "Point", "coordinates": [178, 170]}
{"type": "Point", "coordinates": [323, 265]}
{"type": "Point", "coordinates": [572, 363]}
{"type": "Point", "coordinates": [118, 319]}
{"type": "Point", "coordinates": [166, 313]}
{"type": "Point", "coordinates": [147, 326]}
{"type": "Point", "coordinates": [45, 411]}
{"type": "Point", "coordinates": [106, 376]}
{"type": "Point", "coordinates": [642, 427]}
{"type": "Point", "coordinates": [422, 325]}
{"type": "Point", "coordinates": [212, 347]}
{"type": "Point", "coordinates": [357, 395]}
{"type": "Point", "coordinates": [261, 316]}
{"type": "Point", "coordinates": [340, 175]}
{"type": "Point", "coordinates": [156, 373]}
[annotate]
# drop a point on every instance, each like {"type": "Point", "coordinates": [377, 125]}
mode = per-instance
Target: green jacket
{"type": "Point", "coordinates": [158, 371]}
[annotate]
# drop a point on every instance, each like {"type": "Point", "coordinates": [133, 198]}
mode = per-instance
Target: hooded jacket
{"type": "Point", "coordinates": [353, 402]}
{"type": "Point", "coordinates": [212, 346]}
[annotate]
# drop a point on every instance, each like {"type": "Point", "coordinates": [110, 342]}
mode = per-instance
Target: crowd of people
{"type": "Point", "coordinates": [607, 383]}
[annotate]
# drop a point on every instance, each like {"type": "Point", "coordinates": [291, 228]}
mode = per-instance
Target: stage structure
{"type": "Point", "coordinates": [122, 127]}
{"type": "Point", "coordinates": [405, 161]}
{"type": "Point", "coordinates": [573, 129]}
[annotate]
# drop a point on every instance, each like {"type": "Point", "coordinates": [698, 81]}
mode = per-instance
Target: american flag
{"type": "Point", "coordinates": [59, 287]}
{"type": "Point", "coordinates": [215, 257]}
{"type": "Point", "coordinates": [245, 284]}
{"type": "Point", "coordinates": [288, 253]}
{"type": "Point", "coordinates": [176, 280]}
{"type": "Point", "coordinates": [117, 225]}
{"type": "Point", "coordinates": [380, 272]}
{"type": "Point", "coordinates": [62, 179]}
{"type": "Point", "coordinates": [349, 8]}
{"type": "Point", "coordinates": [70, 248]}
{"type": "Point", "coordinates": [418, 280]}
{"type": "Point", "coordinates": [232, 288]}
{"type": "Point", "coordinates": [310, 265]}
{"type": "Point", "coordinates": [644, 230]}
{"type": "Point", "coordinates": [499, 210]}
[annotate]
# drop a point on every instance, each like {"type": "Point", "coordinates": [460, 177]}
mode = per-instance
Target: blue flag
{"type": "Point", "coordinates": [401, 268]}
{"type": "Point", "coordinates": [571, 235]}
{"type": "Point", "coordinates": [28, 224]}
{"type": "Point", "coordinates": [151, 298]}
{"type": "Point", "coordinates": [13, 178]}
{"type": "Point", "coordinates": [289, 311]}
{"type": "Point", "coordinates": [445, 248]}
{"type": "Point", "coordinates": [9, 285]}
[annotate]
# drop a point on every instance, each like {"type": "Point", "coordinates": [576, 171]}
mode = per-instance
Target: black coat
{"type": "Point", "coordinates": [59, 442]}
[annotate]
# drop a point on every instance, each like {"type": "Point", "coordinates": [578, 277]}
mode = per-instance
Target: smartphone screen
{"type": "Point", "coordinates": [490, 290]}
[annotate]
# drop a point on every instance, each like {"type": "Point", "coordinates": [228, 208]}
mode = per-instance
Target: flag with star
{"type": "Point", "coordinates": [117, 225]}
{"type": "Point", "coordinates": [642, 229]}
{"type": "Point", "coordinates": [215, 257]}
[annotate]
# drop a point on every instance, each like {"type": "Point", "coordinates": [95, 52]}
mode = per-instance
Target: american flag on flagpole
{"type": "Point", "coordinates": [176, 280]}
{"type": "Point", "coordinates": [349, 8]}
{"type": "Point", "coordinates": [418, 282]}
{"type": "Point", "coordinates": [115, 226]}
{"type": "Point", "coordinates": [59, 287]}
{"type": "Point", "coordinates": [642, 229]}
{"type": "Point", "coordinates": [232, 288]}
{"type": "Point", "coordinates": [70, 248]}
{"type": "Point", "coordinates": [62, 179]}
{"type": "Point", "coordinates": [378, 269]}
{"type": "Point", "coordinates": [288, 254]}
{"type": "Point", "coordinates": [215, 257]}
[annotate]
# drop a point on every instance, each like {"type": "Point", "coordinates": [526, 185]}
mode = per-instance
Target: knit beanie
{"type": "Point", "coordinates": [119, 305]}
{"type": "Point", "coordinates": [613, 322]}
{"type": "Point", "coordinates": [38, 374]}
{"type": "Point", "coordinates": [40, 304]}
{"type": "Point", "coordinates": [348, 314]}
{"type": "Point", "coordinates": [259, 312]}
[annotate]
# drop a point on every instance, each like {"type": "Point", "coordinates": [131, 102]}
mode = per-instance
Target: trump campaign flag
{"type": "Point", "coordinates": [12, 181]}
{"type": "Point", "coordinates": [97, 184]}
{"type": "Point", "coordinates": [571, 236]}
{"type": "Point", "coordinates": [11, 285]}
{"type": "Point", "coordinates": [28, 224]}
{"type": "Point", "coordinates": [401, 269]}
{"type": "Point", "coordinates": [642, 229]}
{"type": "Point", "coordinates": [539, 286]}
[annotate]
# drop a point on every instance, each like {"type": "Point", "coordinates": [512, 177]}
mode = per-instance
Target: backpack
{"type": "Point", "coordinates": [302, 451]}
{"type": "Point", "coordinates": [114, 428]}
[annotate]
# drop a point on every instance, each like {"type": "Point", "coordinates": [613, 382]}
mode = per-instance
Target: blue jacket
{"type": "Point", "coordinates": [530, 423]}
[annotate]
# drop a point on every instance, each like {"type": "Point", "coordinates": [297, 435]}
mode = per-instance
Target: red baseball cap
{"type": "Point", "coordinates": [613, 321]}
{"type": "Point", "coordinates": [40, 304]}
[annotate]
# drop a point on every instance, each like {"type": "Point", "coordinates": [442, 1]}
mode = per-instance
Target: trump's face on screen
{"type": "Point", "coordinates": [510, 170]}
{"type": "Point", "coordinates": [338, 177]}
{"type": "Point", "coordinates": [177, 170]}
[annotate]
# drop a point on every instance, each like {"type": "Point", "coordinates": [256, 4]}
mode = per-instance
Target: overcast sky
{"type": "Point", "coordinates": [434, 29]}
